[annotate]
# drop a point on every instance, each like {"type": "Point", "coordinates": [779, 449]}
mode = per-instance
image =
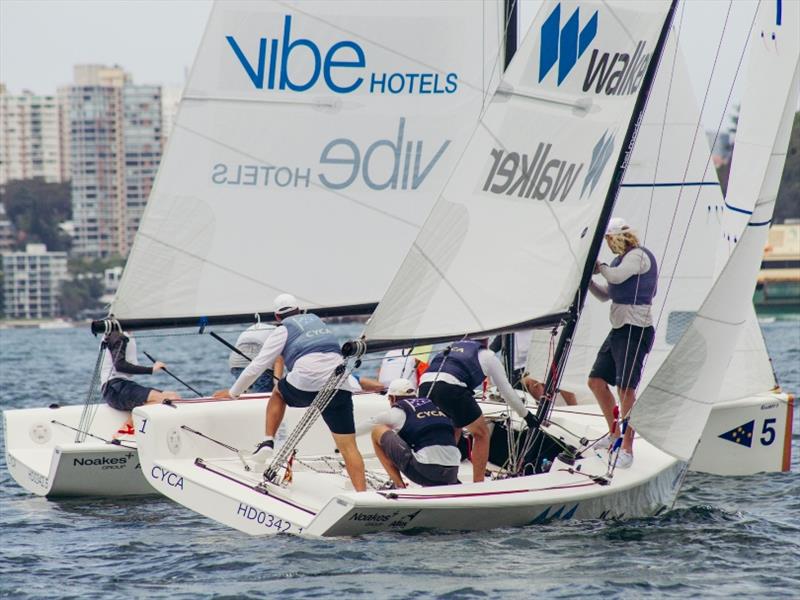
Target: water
{"type": "Point", "coordinates": [726, 537]}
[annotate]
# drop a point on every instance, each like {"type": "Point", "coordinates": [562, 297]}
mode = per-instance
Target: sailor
{"type": "Point", "coordinates": [536, 389]}
{"type": "Point", "coordinates": [396, 364]}
{"type": "Point", "coordinates": [118, 367]}
{"type": "Point", "coordinates": [522, 342]}
{"type": "Point", "coordinates": [249, 343]}
{"type": "Point", "coordinates": [414, 438]}
{"type": "Point", "coordinates": [630, 283]}
{"type": "Point", "coordinates": [449, 382]}
{"type": "Point", "coordinates": [311, 354]}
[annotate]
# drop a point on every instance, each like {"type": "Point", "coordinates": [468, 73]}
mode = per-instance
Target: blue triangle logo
{"type": "Point", "coordinates": [743, 434]}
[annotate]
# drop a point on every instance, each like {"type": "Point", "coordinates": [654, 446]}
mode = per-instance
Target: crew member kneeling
{"type": "Point", "coordinates": [416, 439]}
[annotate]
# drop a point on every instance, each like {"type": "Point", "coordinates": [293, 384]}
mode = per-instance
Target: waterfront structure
{"type": "Point", "coordinates": [115, 142]}
{"type": "Point", "coordinates": [32, 282]}
{"type": "Point", "coordinates": [778, 288]}
{"type": "Point", "coordinates": [31, 142]}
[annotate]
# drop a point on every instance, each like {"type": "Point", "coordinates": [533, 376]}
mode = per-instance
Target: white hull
{"type": "Point", "coordinates": [323, 504]}
{"type": "Point", "coordinates": [43, 457]}
{"type": "Point", "coordinates": [52, 464]}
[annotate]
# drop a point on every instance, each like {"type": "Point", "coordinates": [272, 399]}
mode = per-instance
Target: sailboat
{"type": "Point", "coordinates": [316, 117]}
{"type": "Point", "coordinates": [685, 191]}
{"type": "Point", "coordinates": [498, 188]}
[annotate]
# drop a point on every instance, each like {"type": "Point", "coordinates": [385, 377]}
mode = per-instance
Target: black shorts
{"type": "Point", "coordinates": [621, 357]}
{"type": "Point", "coordinates": [456, 401]}
{"type": "Point", "coordinates": [124, 394]}
{"type": "Point", "coordinates": [338, 415]}
{"type": "Point", "coordinates": [399, 452]}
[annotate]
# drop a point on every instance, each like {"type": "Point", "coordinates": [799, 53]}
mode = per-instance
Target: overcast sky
{"type": "Point", "coordinates": [155, 40]}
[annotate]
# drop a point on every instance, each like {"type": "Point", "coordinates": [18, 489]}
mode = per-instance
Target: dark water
{"type": "Point", "coordinates": [727, 537]}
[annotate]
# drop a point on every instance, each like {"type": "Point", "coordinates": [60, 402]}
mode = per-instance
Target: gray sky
{"type": "Point", "coordinates": [155, 40]}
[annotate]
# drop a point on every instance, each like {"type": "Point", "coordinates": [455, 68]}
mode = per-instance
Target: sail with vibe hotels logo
{"type": "Point", "coordinates": [313, 114]}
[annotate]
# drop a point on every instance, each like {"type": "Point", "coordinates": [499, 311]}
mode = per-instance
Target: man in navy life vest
{"type": "Point", "coordinates": [449, 382]}
{"type": "Point", "coordinates": [310, 354]}
{"type": "Point", "coordinates": [414, 438]}
{"type": "Point", "coordinates": [631, 282]}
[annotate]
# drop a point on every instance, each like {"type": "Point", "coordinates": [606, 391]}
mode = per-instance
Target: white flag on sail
{"type": "Point", "coordinates": [310, 145]}
{"type": "Point", "coordinates": [508, 239]}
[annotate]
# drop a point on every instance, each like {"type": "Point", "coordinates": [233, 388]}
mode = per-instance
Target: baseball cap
{"type": "Point", "coordinates": [285, 303]}
{"type": "Point", "coordinates": [401, 387]}
{"type": "Point", "coordinates": [616, 226]}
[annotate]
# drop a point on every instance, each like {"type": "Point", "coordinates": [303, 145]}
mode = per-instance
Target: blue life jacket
{"type": "Point", "coordinates": [425, 424]}
{"type": "Point", "coordinates": [638, 289]}
{"type": "Point", "coordinates": [462, 363]}
{"type": "Point", "coordinates": [306, 334]}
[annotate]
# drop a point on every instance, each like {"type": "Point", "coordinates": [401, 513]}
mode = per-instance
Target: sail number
{"type": "Point", "coordinates": [768, 432]}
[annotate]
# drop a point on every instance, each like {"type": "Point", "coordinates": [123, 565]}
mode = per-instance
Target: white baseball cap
{"type": "Point", "coordinates": [401, 387]}
{"type": "Point", "coordinates": [285, 303]}
{"type": "Point", "coordinates": [616, 226]}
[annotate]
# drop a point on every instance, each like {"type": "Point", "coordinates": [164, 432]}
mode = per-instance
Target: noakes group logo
{"type": "Point", "coordinates": [297, 64]}
{"type": "Point", "coordinates": [564, 45]}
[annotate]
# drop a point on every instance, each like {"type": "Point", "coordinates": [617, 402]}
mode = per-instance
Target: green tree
{"type": "Point", "coordinates": [80, 294]}
{"type": "Point", "coordinates": [787, 205]}
{"type": "Point", "coordinates": [36, 208]}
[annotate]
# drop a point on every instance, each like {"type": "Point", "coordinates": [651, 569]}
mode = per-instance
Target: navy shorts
{"type": "Point", "coordinates": [420, 473]}
{"type": "Point", "coordinates": [457, 402]}
{"type": "Point", "coordinates": [261, 385]}
{"type": "Point", "coordinates": [124, 394]}
{"type": "Point", "coordinates": [338, 415]}
{"type": "Point", "coordinates": [621, 357]}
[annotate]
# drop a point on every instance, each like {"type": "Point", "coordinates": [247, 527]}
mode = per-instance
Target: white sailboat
{"type": "Point", "coordinates": [671, 178]}
{"type": "Point", "coordinates": [301, 123]}
{"type": "Point", "coordinates": [434, 296]}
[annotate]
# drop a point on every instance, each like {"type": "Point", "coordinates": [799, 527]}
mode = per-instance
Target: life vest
{"type": "Point", "coordinates": [425, 424]}
{"type": "Point", "coordinates": [462, 363]}
{"type": "Point", "coordinates": [306, 334]}
{"type": "Point", "coordinates": [637, 289]}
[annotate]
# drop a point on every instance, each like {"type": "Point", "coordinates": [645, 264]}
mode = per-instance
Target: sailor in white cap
{"type": "Point", "coordinates": [415, 438]}
{"type": "Point", "coordinates": [310, 353]}
{"type": "Point", "coordinates": [630, 283]}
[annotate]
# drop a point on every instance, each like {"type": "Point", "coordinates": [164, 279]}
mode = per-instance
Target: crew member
{"type": "Point", "coordinates": [449, 382]}
{"type": "Point", "coordinates": [311, 355]}
{"type": "Point", "coordinates": [415, 438]}
{"type": "Point", "coordinates": [249, 343]}
{"type": "Point", "coordinates": [119, 389]}
{"type": "Point", "coordinates": [630, 283]}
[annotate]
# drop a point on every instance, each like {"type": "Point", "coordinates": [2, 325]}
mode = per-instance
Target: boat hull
{"type": "Point", "coordinates": [208, 478]}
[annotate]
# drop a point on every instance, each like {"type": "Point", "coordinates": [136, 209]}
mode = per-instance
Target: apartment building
{"type": "Point", "coordinates": [32, 282]}
{"type": "Point", "coordinates": [31, 144]}
{"type": "Point", "coordinates": [115, 144]}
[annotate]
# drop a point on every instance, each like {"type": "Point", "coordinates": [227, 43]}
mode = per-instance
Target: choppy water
{"type": "Point", "coordinates": [727, 537]}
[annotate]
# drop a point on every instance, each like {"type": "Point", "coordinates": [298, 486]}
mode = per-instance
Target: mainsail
{"type": "Point", "coordinates": [673, 408]}
{"type": "Point", "coordinates": [309, 134]}
{"type": "Point", "coordinates": [507, 243]}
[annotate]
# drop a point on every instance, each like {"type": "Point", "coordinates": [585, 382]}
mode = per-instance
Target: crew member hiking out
{"type": "Point", "coordinates": [414, 438]}
{"type": "Point", "coordinates": [631, 281]}
{"type": "Point", "coordinates": [449, 382]}
{"type": "Point", "coordinates": [119, 389]}
{"type": "Point", "coordinates": [310, 354]}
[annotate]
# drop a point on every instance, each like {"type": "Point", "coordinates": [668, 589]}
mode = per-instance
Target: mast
{"type": "Point", "coordinates": [568, 332]}
{"type": "Point", "coordinates": [508, 347]}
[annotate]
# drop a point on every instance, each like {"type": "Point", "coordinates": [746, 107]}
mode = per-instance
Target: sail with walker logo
{"type": "Point", "coordinates": [307, 132]}
{"type": "Point", "coordinates": [524, 203]}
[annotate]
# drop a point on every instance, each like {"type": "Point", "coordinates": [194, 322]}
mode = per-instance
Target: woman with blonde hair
{"type": "Point", "coordinates": [631, 281]}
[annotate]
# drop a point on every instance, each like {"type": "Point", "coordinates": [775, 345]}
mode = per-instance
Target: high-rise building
{"type": "Point", "coordinates": [32, 282]}
{"type": "Point", "coordinates": [6, 230]}
{"type": "Point", "coordinates": [30, 137]}
{"type": "Point", "coordinates": [170, 100]}
{"type": "Point", "coordinates": [115, 141]}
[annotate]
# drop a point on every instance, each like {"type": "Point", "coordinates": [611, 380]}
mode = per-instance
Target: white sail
{"type": "Point", "coordinates": [672, 411]}
{"type": "Point", "coordinates": [671, 197]}
{"type": "Point", "coordinates": [309, 134]}
{"type": "Point", "coordinates": [536, 171]}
